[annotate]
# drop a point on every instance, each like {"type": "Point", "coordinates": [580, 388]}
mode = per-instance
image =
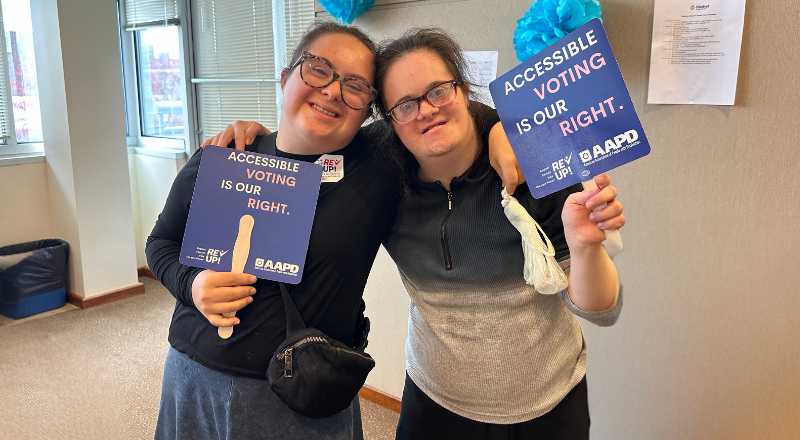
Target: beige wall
{"type": "Point", "coordinates": [154, 176]}
{"type": "Point", "coordinates": [24, 203]}
{"type": "Point", "coordinates": [708, 341]}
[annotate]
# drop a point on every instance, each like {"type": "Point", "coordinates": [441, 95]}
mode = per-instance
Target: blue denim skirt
{"type": "Point", "coordinates": [199, 403]}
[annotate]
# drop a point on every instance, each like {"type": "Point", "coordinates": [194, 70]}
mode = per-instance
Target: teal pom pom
{"type": "Point", "coordinates": [345, 11]}
{"type": "Point", "coordinates": [549, 20]}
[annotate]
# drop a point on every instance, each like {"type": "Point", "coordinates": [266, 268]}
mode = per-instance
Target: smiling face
{"type": "Point", "coordinates": [437, 133]}
{"type": "Point", "coordinates": [315, 121]}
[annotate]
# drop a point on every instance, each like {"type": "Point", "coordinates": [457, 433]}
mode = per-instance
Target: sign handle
{"type": "Point", "coordinates": [613, 241]}
{"type": "Point", "coordinates": [241, 250]}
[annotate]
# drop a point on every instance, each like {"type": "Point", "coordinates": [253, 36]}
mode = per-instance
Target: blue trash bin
{"type": "Point", "coordinates": [33, 277]}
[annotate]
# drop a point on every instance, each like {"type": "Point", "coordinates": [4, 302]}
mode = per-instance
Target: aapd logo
{"type": "Point", "coordinates": [276, 266]}
{"type": "Point", "coordinates": [611, 146]}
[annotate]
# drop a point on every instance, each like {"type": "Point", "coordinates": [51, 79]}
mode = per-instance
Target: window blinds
{"type": "Point", "coordinates": [236, 44]}
{"type": "Point", "coordinates": [6, 111]}
{"type": "Point", "coordinates": [299, 15]}
{"type": "Point", "coordinates": [149, 13]}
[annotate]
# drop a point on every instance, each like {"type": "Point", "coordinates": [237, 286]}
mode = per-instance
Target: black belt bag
{"type": "Point", "coordinates": [312, 373]}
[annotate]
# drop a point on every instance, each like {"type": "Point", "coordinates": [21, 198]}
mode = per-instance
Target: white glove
{"type": "Point", "coordinates": [541, 268]}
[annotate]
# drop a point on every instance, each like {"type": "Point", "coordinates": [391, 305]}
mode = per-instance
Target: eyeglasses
{"type": "Point", "coordinates": [441, 94]}
{"type": "Point", "coordinates": [318, 73]}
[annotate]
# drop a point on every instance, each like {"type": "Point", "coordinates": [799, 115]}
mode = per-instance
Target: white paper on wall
{"type": "Point", "coordinates": [695, 51]}
{"type": "Point", "coordinates": [483, 71]}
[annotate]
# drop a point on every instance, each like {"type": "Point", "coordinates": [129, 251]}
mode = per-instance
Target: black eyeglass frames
{"type": "Point", "coordinates": [318, 73]}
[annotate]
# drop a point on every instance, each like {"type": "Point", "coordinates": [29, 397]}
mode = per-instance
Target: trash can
{"type": "Point", "coordinates": [33, 277]}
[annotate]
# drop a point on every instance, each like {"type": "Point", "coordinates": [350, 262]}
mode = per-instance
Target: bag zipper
{"type": "Point", "coordinates": [448, 264]}
{"type": "Point", "coordinates": [286, 355]}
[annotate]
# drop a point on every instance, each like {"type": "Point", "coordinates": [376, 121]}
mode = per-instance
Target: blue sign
{"type": "Point", "coordinates": [567, 112]}
{"type": "Point", "coordinates": [251, 213]}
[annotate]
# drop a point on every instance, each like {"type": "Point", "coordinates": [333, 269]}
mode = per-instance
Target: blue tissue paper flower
{"type": "Point", "coordinates": [549, 20]}
{"type": "Point", "coordinates": [345, 11]}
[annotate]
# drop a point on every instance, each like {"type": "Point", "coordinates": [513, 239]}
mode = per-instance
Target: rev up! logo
{"type": "Point", "coordinates": [215, 255]}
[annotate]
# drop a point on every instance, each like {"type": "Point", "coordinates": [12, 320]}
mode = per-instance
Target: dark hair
{"type": "Point", "coordinates": [439, 43]}
{"type": "Point", "coordinates": [319, 29]}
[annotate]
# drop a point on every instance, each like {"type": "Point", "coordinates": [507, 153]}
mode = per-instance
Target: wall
{"type": "Point", "coordinates": [150, 187]}
{"type": "Point", "coordinates": [707, 343]}
{"type": "Point", "coordinates": [24, 203]}
{"type": "Point", "coordinates": [84, 178]}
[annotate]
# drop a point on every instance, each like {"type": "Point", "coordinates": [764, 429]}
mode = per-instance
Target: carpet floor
{"type": "Point", "coordinates": [96, 373]}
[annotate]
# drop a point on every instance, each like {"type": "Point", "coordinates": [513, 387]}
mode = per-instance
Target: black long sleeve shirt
{"type": "Point", "coordinates": [353, 215]}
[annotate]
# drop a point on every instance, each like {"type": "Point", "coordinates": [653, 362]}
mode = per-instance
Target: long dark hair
{"type": "Point", "coordinates": [448, 50]}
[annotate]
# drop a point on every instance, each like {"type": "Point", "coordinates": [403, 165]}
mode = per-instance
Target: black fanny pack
{"type": "Point", "coordinates": [312, 373]}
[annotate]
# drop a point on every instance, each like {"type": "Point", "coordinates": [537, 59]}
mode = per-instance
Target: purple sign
{"type": "Point", "coordinates": [567, 112]}
{"type": "Point", "coordinates": [251, 213]}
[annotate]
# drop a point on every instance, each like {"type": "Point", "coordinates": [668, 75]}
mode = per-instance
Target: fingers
{"type": "Point", "coordinates": [223, 138]}
{"type": "Point", "coordinates": [614, 209]}
{"type": "Point", "coordinates": [509, 171]}
{"type": "Point", "coordinates": [245, 132]}
{"type": "Point", "coordinates": [255, 129]}
{"type": "Point", "coordinates": [239, 279]}
{"type": "Point", "coordinates": [209, 141]}
{"type": "Point", "coordinates": [510, 179]}
{"type": "Point", "coordinates": [615, 223]}
{"type": "Point", "coordinates": [217, 306]}
{"type": "Point", "coordinates": [215, 293]}
{"type": "Point", "coordinates": [228, 294]}
{"type": "Point", "coordinates": [208, 300]}
{"type": "Point", "coordinates": [239, 135]}
{"type": "Point", "coordinates": [229, 279]}
{"type": "Point", "coordinates": [583, 197]}
{"type": "Point", "coordinates": [602, 180]}
{"type": "Point", "coordinates": [606, 195]}
{"type": "Point", "coordinates": [221, 321]}
{"type": "Point", "coordinates": [503, 160]}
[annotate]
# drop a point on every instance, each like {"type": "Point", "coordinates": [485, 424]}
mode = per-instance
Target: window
{"type": "Point", "coordinates": [240, 49]}
{"type": "Point", "coordinates": [158, 59]}
{"type": "Point", "coordinates": [20, 117]}
{"type": "Point", "coordinates": [233, 50]}
{"type": "Point", "coordinates": [153, 73]}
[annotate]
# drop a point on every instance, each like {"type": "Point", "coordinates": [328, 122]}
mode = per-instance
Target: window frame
{"type": "Point", "coordinates": [136, 140]}
{"type": "Point", "coordinates": [12, 148]}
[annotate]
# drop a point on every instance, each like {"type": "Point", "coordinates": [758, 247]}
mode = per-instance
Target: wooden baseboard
{"type": "Point", "coordinates": [379, 397]}
{"type": "Point", "coordinates": [104, 298]}
{"type": "Point", "coordinates": [145, 271]}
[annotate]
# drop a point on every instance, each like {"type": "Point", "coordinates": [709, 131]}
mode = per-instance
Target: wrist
{"type": "Point", "coordinates": [580, 249]}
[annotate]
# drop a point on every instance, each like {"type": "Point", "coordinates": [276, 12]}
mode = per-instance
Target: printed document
{"type": "Point", "coordinates": [695, 52]}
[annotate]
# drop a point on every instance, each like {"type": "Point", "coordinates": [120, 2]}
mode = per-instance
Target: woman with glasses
{"type": "Point", "coordinates": [216, 388]}
{"type": "Point", "coordinates": [487, 356]}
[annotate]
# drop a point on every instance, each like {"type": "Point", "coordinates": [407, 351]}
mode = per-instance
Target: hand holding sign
{"type": "Point", "coordinates": [567, 112]}
{"type": "Point", "coordinates": [594, 215]}
{"type": "Point", "coordinates": [569, 117]}
{"type": "Point", "coordinates": [217, 293]}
